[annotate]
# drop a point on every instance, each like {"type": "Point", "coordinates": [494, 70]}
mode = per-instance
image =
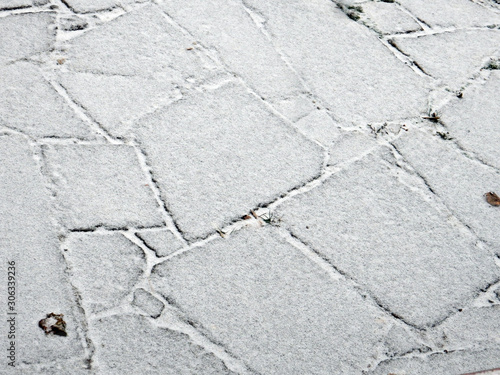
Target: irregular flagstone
{"type": "Point", "coordinates": [218, 154]}
{"type": "Point", "coordinates": [390, 239]}
{"type": "Point", "coordinates": [271, 306]}
{"type": "Point", "coordinates": [104, 268]}
{"type": "Point", "coordinates": [226, 27]}
{"type": "Point", "coordinates": [28, 103]}
{"type": "Point", "coordinates": [451, 13]}
{"type": "Point", "coordinates": [388, 18]}
{"type": "Point", "coordinates": [162, 241]}
{"type": "Point", "coordinates": [148, 303]}
{"type": "Point", "coordinates": [16, 4]}
{"type": "Point", "coordinates": [115, 100]}
{"type": "Point", "coordinates": [459, 181]}
{"type": "Point", "coordinates": [473, 120]}
{"type": "Point", "coordinates": [129, 344]}
{"type": "Point", "coordinates": [28, 238]}
{"type": "Point", "coordinates": [141, 43]}
{"type": "Point", "coordinates": [16, 35]}
{"type": "Point", "coordinates": [329, 51]}
{"type": "Point", "coordinates": [452, 57]}
{"type": "Point", "coordinates": [459, 362]}
{"type": "Point", "coordinates": [101, 185]}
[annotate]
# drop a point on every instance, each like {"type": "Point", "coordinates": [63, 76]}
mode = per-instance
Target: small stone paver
{"type": "Point", "coordinates": [388, 18]}
{"type": "Point", "coordinates": [104, 268]}
{"type": "Point", "coordinates": [28, 103]}
{"type": "Point", "coordinates": [16, 35]}
{"type": "Point", "coordinates": [271, 306]}
{"type": "Point", "coordinates": [451, 13]}
{"type": "Point", "coordinates": [459, 181]}
{"type": "Point", "coordinates": [330, 52]}
{"type": "Point", "coordinates": [163, 242]}
{"type": "Point", "coordinates": [131, 344]}
{"type": "Point", "coordinates": [473, 120]}
{"type": "Point", "coordinates": [147, 303]}
{"type": "Point", "coordinates": [219, 154]}
{"type": "Point", "coordinates": [399, 246]}
{"type": "Point", "coordinates": [29, 239]}
{"type": "Point", "coordinates": [439, 56]}
{"type": "Point", "coordinates": [101, 185]}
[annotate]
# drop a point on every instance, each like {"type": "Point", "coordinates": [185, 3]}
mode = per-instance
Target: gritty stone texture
{"type": "Point", "coordinates": [333, 46]}
{"type": "Point", "coordinates": [123, 342]}
{"type": "Point", "coordinates": [399, 342]}
{"type": "Point", "coordinates": [147, 303]}
{"type": "Point", "coordinates": [226, 27]}
{"type": "Point", "coordinates": [350, 145]}
{"type": "Point", "coordinates": [163, 242]}
{"type": "Point", "coordinates": [209, 151]}
{"type": "Point", "coordinates": [101, 185]}
{"type": "Point", "coordinates": [320, 127]}
{"type": "Point", "coordinates": [408, 235]}
{"type": "Point", "coordinates": [17, 4]}
{"type": "Point", "coordinates": [459, 362]}
{"type": "Point", "coordinates": [388, 18]}
{"type": "Point", "coordinates": [85, 6]}
{"type": "Point", "coordinates": [104, 268]}
{"type": "Point", "coordinates": [270, 305]}
{"type": "Point", "coordinates": [451, 13]}
{"type": "Point", "coordinates": [17, 31]}
{"type": "Point", "coordinates": [28, 103]}
{"type": "Point", "coordinates": [458, 181]}
{"type": "Point", "coordinates": [28, 238]}
{"type": "Point", "coordinates": [439, 56]}
{"type": "Point", "coordinates": [474, 120]}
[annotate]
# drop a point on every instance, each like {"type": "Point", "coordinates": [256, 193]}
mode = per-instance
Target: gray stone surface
{"type": "Point", "coordinates": [216, 155]}
{"type": "Point", "coordinates": [404, 239]}
{"type": "Point", "coordinates": [17, 31]}
{"type": "Point", "coordinates": [85, 6]}
{"type": "Point", "coordinates": [147, 303]}
{"type": "Point", "coordinates": [103, 267]}
{"type": "Point", "coordinates": [439, 55]}
{"type": "Point", "coordinates": [18, 4]}
{"type": "Point", "coordinates": [28, 103]}
{"type": "Point", "coordinates": [388, 18]}
{"type": "Point", "coordinates": [162, 241]}
{"type": "Point", "coordinates": [123, 342]}
{"type": "Point", "coordinates": [473, 120]}
{"type": "Point", "coordinates": [459, 181]}
{"type": "Point", "coordinates": [29, 239]}
{"type": "Point", "coordinates": [101, 185]}
{"type": "Point", "coordinates": [273, 307]}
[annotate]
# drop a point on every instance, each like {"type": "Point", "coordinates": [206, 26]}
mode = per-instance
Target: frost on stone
{"type": "Point", "coordinates": [451, 13]}
{"type": "Point", "coordinates": [104, 268]}
{"type": "Point", "coordinates": [458, 180]}
{"type": "Point", "coordinates": [128, 344]}
{"type": "Point", "coordinates": [439, 56]}
{"type": "Point", "coordinates": [101, 185]}
{"type": "Point", "coordinates": [147, 303]}
{"type": "Point", "coordinates": [319, 127]}
{"type": "Point", "coordinates": [140, 43]}
{"type": "Point", "coordinates": [18, 4]}
{"type": "Point", "coordinates": [271, 306]}
{"type": "Point", "coordinates": [163, 242]}
{"type": "Point", "coordinates": [388, 18]}
{"type": "Point", "coordinates": [413, 260]}
{"type": "Point", "coordinates": [217, 154]}
{"type": "Point", "coordinates": [473, 120]}
{"type": "Point", "coordinates": [330, 54]}
{"type": "Point", "coordinates": [399, 342]}
{"type": "Point", "coordinates": [85, 6]}
{"type": "Point", "coordinates": [28, 103]}
{"type": "Point", "coordinates": [16, 35]}
{"type": "Point", "coordinates": [350, 145]}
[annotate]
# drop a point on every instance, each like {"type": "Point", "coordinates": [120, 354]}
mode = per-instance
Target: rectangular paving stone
{"type": "Point", "coordinates": [328, 50]}
{"type": "Point", "coordinates": [390, 239]}
{"type": "Point", "coordinates": [459, 181]}
{"type": "Point", "coordinates": [131, 344]}
{"type": "Point", "coordinates": [473, 120]}
{"type": "Point", "coordinates": [271, 306]}
{"type": "Point", "coordinates": [218, 154]}
{"type": "Point", "coordinates": [101, 185]}
{"type": "Point", "coordinates": [452, 57]}
{"type": "Point", "coordinates": [17, 35]}
{"type": "Point", "coordinates": [28, 103]}
{"type": "Point", "coordinates": [28, 238]}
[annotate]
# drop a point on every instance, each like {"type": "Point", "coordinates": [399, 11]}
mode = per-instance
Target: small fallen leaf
{"type": "Point", "coordinates": [189, 48]}
{"type": "Point", "coordinates": [60, 61]}
{"type": "Point", "coordinates": [247, 217]}
{"type": "Point", "coordinates": [53, 323]}
{"type": "Point", "coordinates": [492, 198]}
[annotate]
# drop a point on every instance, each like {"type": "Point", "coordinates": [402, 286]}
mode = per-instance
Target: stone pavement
{"type": "Point", "coordinates": [250, 186]}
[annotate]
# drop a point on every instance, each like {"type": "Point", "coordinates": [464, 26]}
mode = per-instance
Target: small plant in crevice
{"type": "Point", "coordinates": [493, 64]}
{"type": "Point", "coordinates": [351, 11]}
{"type": "Point", "coordinates": [271, 218]}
